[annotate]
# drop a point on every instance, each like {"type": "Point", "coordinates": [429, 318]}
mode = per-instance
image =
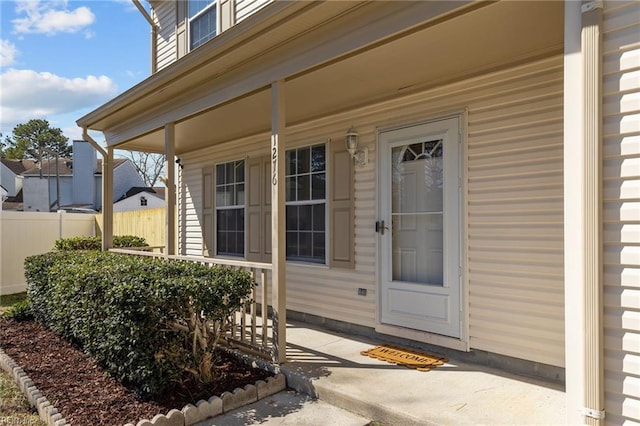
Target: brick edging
{"type": "Point", "coordinates": [189, 415]}
{"type": "Point", "coordinates": [47, 412]}
{"type": "Point", "coordinates": [216, 405]}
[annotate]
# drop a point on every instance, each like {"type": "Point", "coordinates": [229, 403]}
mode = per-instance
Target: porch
{"type": "Point", "coordinates": [328, 365]}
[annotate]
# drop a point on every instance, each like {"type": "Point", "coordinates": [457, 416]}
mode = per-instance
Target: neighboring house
{"type": "Point", "coordinates": [140, 198]}
{"type": "Point", "coordinates": [10, 174]}
{"type": "Point", "coordinates": [80, 181]}
{"type": "Point", "coordinates": [3, 195]}
{"type": "Point", "coordinates": [463, 174]}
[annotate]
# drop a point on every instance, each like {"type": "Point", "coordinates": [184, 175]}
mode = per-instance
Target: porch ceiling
{"type": "Point", "coordinates": [486, 38]}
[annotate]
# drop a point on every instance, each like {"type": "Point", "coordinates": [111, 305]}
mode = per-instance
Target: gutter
{"type": "Point", "coordinates": [93, 143]}
{"type": "Point", "coordinates": [272, 14]}
{"type": "Point", "coordinates": [107, 191]}
{"type": "Point", "coordinates": [154, 35]}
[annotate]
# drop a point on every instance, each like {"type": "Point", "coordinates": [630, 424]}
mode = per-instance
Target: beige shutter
{"type": "Point", "coordinates": [181, 28]}
{"type": "Point", "coordinates": [340, 199]}
{"type": "Point", "coordinates": [266, 209]}
{"type": "Point", "coordinates": [259, 210]}
{"type": "Point", "coordinates": [254, 226]}
{"type": "Point", "coordinates": [208, 211]}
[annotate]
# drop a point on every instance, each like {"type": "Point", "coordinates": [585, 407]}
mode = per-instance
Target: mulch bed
{"type": "Point", "coordinates": [84, 394]}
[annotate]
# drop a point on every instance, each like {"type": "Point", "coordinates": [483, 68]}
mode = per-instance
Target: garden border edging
{"type": "Point", "coordinates": [47, 412]}
{"type": "Point", "coordinates": [188, 416]}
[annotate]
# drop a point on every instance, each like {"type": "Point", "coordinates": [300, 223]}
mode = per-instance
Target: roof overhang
{"type": "Point", "coordinates": [333, 56]}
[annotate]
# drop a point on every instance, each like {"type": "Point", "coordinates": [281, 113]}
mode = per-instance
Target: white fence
{"type": "Point", "coordinates": [23, 234]}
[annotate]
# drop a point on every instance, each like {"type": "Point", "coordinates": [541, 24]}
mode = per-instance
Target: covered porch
{"type": "Point", "coordinates": [295, 70]}
{"type": "Point", "coordinates": [328, 365]}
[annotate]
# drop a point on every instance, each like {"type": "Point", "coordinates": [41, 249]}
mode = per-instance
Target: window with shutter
{"type": "Point", "coordinates": [319, 206]}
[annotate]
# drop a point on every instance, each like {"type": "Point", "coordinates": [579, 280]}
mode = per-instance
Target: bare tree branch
{"type": "Point", "coordinates": [149, 166]}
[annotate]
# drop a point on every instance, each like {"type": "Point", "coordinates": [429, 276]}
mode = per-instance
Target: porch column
{"type": "Point", "coordinates": [170, 194]}
{"type": "Point", "coordinates": [107, 200]}
{"type": "Point", "coordinates": [584, 357]}
{"type": "Point", "coordinates": [278, 230]}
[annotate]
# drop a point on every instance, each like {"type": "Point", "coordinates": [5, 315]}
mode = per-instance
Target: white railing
{"type": "Point", "coordinates": [252, 329]}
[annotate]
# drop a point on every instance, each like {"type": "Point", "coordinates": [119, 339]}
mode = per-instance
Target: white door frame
{"type": "Point", "coordinates": [461, 343]}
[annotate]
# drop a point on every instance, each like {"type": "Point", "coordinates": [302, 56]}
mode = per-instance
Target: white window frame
{"type": "Point", "coordinates": [190, 19]}
{"type": "Point", "coordinates": [218, 208]}
{"type": "Point", "coordinates": [311, 202]}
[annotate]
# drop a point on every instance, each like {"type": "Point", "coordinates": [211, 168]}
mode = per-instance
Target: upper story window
{"type": "Point", "coordinates": [202, 21]}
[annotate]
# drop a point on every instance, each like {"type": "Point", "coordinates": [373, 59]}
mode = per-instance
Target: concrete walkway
{"type": "Point", "coordinates": [288, 408]}
{"type": "Point", "coordinates": [353, 389]}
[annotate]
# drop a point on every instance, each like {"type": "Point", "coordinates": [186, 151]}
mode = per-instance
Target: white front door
{"type": "Point", "coordinates": [419, 227]}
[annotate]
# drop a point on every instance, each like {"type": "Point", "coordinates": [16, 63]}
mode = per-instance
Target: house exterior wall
{"type": "Point", "coordinates": [164, 15]}
{"type": "Point", "coordinates": [125, 177]}
{"type": "Point", "coordinates": [621, 210]}
{"type": "Point", "coordinates": [37, 191]}
{"type": "Point", "coordinates": [513, 200]}
{"type": "Point", "coordinates": [8, 180]}
{"type": "Point", "coordinates": [84, 168]}
{"type": "Point", "coordinates": [245, 8]}
{"type": "Point", "coordinates": [172, 39]}
{"type": "Point", "coordinates": [133, 203]}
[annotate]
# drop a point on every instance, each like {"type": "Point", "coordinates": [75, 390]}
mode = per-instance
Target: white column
{"type": "Point", "coordinates": [170, 195]}
{"type": "Point", "coordinates": [582, 221]}
{"type": "Point", "coordinates": [107, 200]}
{"type": "Point", "coordinates": [278, 230]}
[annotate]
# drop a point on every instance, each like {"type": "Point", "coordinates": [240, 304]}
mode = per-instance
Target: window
{"type": "Point", "coordinates": [143, 201]}
{"type": "Point", "coordinates": [306, 178]}
{"type": "Point", "coordinates": [229, 196]}
{"type": "Point", "coordinates": [202, 21]}
{"type": "Point", "coordinates": [319, 206]}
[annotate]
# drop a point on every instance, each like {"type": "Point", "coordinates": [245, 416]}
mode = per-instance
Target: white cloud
{"type": "Point", "coordinates": [50, 17]}
{"type": "Point", "coordinates": [28, 94]}
{"type": "Point", "coordinates": [8, 53]}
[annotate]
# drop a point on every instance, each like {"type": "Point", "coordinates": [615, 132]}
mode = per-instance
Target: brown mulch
{"type": "Point", "coordinates": [85, 395]}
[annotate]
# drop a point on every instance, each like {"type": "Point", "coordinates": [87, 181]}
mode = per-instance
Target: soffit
{"type": "Point", "coordinates": [485, 39]}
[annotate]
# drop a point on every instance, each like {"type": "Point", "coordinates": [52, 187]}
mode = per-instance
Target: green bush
{"type": "Point", "coordinates": [146, 320]}
{"type": "Point", "coordinates": [95, 243]}
{"type": "Point", "coordinates": [19, 311]}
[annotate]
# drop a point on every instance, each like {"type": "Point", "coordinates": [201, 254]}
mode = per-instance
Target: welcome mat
{"type": "Point", "coordinates": [394, 355]}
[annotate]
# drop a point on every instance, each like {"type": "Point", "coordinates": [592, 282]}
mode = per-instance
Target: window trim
{"type": "Point", "coordinates": [312, 201]}
{"type": "Point", "coordinates": [214, 4]}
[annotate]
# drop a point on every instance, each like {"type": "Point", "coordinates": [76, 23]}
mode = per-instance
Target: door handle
{"type": "Point", "coordinates": [380, 227]}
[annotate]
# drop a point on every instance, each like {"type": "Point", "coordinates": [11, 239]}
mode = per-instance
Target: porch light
{"type": "Point", "coordinates": [361, 157]}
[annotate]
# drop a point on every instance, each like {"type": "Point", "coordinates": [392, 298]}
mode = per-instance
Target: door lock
{"type": "Point", "coordinates": [380, 227]}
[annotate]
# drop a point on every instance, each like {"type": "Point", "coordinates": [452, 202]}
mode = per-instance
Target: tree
{"type": "Point", "coordinates": [28, 140]}
{"type": "Point", "coordinates": [149, 166]}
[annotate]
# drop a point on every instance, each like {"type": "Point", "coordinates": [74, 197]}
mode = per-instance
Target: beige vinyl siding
{"type": "Point", "coordinates": [164, 14]}
{"type": "Point", "coordinates": [621, 211]}
{"type": "Point", "coordinates": [514, 205]}
{"type": "Point", "coordinates": [244, 8]}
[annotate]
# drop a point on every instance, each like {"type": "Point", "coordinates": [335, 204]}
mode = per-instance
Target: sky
{"type": "Point", "coordinates": [61, 59]}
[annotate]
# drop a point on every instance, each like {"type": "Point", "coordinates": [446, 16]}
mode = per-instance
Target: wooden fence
{"type": "Point", "coordinates": [148, 224]}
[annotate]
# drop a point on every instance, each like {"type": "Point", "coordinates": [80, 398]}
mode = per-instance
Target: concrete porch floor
{"type": "Point", "coordinates": [329, 366]}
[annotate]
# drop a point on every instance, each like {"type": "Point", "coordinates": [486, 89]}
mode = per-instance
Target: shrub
{"type": "Point", "coordinates": [19, 311]}
{"type": "Point", "coordinates": [146, 320]}
{"type": "Point", "coordinates": [95, 243]}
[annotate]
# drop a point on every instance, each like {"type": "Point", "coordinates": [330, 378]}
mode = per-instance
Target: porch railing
{"type": "Point", "coordinates": [252, 329]}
